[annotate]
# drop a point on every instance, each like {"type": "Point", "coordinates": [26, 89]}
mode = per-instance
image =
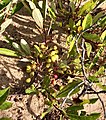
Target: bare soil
{"type": "Point", "coordinates": [26, 107]}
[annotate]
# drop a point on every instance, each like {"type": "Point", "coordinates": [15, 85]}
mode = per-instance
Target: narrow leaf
{"type": "Point", "coordinates": [103, 36]}
{"type": "Point", "coordinates": [17, 7]}
{"type": "Point", "coordinates": [87, 22]}
{"type": "Point", "coordinates": [37, 16]}
{"type": "Point", "coordinates": [5, 24]}
{"type": "Point", "coordinates": [64, 92]}
{"type": "Point", "coordinates": [88, 6]}
{"type": "Point", "coordinates": [87, 117]}
{"type": "Point", "coordinates": [92, 37]}
{"type": "Point", "coordinates": [96, 18]}
{"type": "Point", "coordinates": [3, 95]}
{"type": "Point", "coordinates": [5, 105]}
{"type": "Point", "coordinates": [4, 51]}
{"type": "Point", "coordinates": [96, 57]}
{"type": "Point", "coordinates": [25, 46]}
{"type": "Point", "coordinates": [88, 48]}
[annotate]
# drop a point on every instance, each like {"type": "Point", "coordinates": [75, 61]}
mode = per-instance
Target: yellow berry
{"type": "Point", "coordinates": [54, 58]}
{"type": "Point", "coordinates": [28, 69]}
{"type": "Point", "coordinates": [32, 74]}
{"type": "Point", "coordinates": [28, 80]}
{"type": "Point", "coordinates": [47, 65]}
{"type": "Point", "coordinates": [79, 29]}
{"type": "Point", "coordinates": [49, 60]}
{"type": "Point", "coordinates": [55, 47]}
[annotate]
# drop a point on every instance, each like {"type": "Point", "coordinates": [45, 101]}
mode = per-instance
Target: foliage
{"type": "Point", "coordinates": [3, 103]}
{"type": "Point", "coordinates": [50, 63]}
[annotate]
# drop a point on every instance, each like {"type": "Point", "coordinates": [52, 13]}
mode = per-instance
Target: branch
{"type": "Point", "coordinates": [71, 92]}
{"type": "Point", "coordinates": [102, 103]}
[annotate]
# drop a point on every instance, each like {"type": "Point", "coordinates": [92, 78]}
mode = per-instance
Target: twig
{"type": "Point", "coordinates": [49, 27]}
{"type": "Point", "coordinates": [71, 92]}
{"type": "Point", "coordinates": [102, 103]}
{"type": "Point", "coordinates": [83, 59]}
{"type": "Point", "coordinates": [92, 92]}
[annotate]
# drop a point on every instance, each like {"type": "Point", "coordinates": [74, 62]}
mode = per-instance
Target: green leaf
{"type": "Point", "coordinates": [96, 57]}
{"type": "Point", "coordinates": [16, 46]}
{"type": "Point", "coordinates": [89, 101]}
{"type": "Point", "coordinates": [3, 95]}
{"type": "Point", "coordinates": [72, 5]}
{"type": "Point", "coordinates": [37, 16]}
{"type": "Point", "coordinates": [101, 86]}
{"type": "Point", "coordinates": [74, 108]}
{"type": "Point", "coordinates": [4, 51]}
{"type": "Point", "coordinates": [92, 37]}
{"type": "Point", "coordinates": [51, 13]}
{"type": "Point", "coordinates": [30, 90]}
{"type": "Point", "coordinates": [103, 36]}
{"type": "Point", "coordinates": [5, 24]}
{"type": "Point", "coordinates": [100, 71]}
{"type": "Point", "coordinates": [71, 23]}
{"type": "Point", "coordinates": [44, 113]}
{"type": "Point", "coordinates": [5, 105]}
{"type": "Point", "coordinates": [71, 45]}
{"type": "Point", "coordinates": [96, 18]}
{"type": "Point", "coordinates": [17, 7]}
{"type": "Point", "coordinates": [88, 48]}
{"type": "Point", "coordinates": [25, 46]}
{"type": "Point", "coordinates": [87, 22]}
{"type": "Point", "coordinates": [88, 6]}
{"type": "Point", "coordinates": [93, 79]}
{"type": "Point", "coordinates": [93, 116]}
{"type": "Point", "coordinates": [45, 7]}
{"type": "Point", "coordinates": [46, 81]}
{"type": "Point", "coordinates": [37, 50]}
{"type": "Point", "coordinates": [92, 101]}
{"type": "Point", "coordinates": [64, 91]}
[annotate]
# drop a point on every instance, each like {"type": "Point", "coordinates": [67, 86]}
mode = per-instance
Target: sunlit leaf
{"type": "Point", "coordinates": [25, 46]}
{"type": "Point", "coordinates": [45, 7]}
{"type": "Point", "coordinates": [101, 86]}
{"type": "Point", "coordinates": [36, 14]}
{"type": "Point", "coordinates": [7, 52]}
{"type": "Point", "coordinates": [103, 36]}
{"type": "Point", "coordinates": [5, 24]}
{"type": "Point", "coordinates": [3, 95]}
{"type": "Point", "coordinates": [30, 90]}
{"type": "Point", "coordinates": [88, 48]}
{"type": "Point", "coordinates": [5, 105]}
{"type": "Point", "coordinates": [100, 71]}
{"type": "Point", "coordinates": [96, 18]}
{"type": "Point", "coordinates": [93, 79]}
{"type": "Point", "coordinates": [64, 92]}
{"type": "Point", "coordinates": [92, 37]}
{"type": "Point", "coordinates": [87, 22]}
{"type": "Point", "coordinates": [88, 6]}
{"type": "Point", "coordinates": [71, 45]}
{"type": "Point", "coordinates": [96, 57]}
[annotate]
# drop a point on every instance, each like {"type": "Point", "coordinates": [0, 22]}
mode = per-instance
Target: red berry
{"type": "Point", "coordinates": [55, 76]}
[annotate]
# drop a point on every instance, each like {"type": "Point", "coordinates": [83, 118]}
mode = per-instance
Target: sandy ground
{"type": "Point", "coordinates": [25, 107]}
